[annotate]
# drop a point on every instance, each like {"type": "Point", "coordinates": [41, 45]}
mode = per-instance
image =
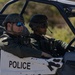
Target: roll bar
{"type": "Point", "coordinates": [7, 4]}
{"type": "Point", "coordinates": [64, 7]}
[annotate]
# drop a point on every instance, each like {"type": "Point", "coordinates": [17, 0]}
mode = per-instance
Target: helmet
{"type": "Point", "coordinates": [13, 18]}
{"type": "Point", "coordinates": [38, 20]}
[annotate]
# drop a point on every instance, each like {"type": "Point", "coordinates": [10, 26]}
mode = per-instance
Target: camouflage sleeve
{"type": "Point", "coordinates": [60, 47]}
{"type": "Point", "coordinates": [58, 43]}
{"type": "Point", "coordinates": [61, 43]}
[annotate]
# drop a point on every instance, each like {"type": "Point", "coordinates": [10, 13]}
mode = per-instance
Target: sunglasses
{"type": "Point", "coordinates": [19, 24]}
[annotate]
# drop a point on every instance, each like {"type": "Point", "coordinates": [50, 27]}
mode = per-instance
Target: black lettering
{"type": "Point", "coordinates": [24, 65]}
{"type": "Point", "coordinates": [19, 65]}
{"type": "Point", "coordinates": [14, 64]}
{"type": "Point", "coordinates": [10, 63]}
{"type": "Point", "coordinates": [28, 65]}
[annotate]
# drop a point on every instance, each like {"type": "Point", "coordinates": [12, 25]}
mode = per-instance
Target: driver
{"type": "Point", "coordinates": [13, 41]}
{"type": "Point", "coordinates": [39, 25]}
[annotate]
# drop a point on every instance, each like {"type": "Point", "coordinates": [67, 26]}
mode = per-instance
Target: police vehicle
{"type": "Point", "coordinates": [13, 65]}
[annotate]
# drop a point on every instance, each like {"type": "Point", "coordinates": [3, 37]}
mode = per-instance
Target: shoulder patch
{"type": "Point", "coordinates": [47, 36]}
{"type": "Point", "coordinates": [3, 41]}
{"type": "Point", "coordinates": [33, 40]}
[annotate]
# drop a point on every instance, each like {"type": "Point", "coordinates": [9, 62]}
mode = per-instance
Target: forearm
{"type": "Point", "coordinates": [22, 51]}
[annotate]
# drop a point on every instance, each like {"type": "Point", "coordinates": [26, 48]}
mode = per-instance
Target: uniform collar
{"type": "Point", "coordinates": [37, 37]}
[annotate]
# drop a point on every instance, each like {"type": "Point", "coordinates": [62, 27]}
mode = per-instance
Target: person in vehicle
{"type": "Point", "coordinates": [39, 24]}
{"type": "Point", "coordinates": [15, 41]}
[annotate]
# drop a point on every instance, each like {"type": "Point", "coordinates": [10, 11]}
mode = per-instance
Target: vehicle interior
{"type": "Point", "coordinates": [66, 9]}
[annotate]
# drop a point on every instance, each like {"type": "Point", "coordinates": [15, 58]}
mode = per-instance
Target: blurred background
{"type": "Point", "coordinates": [57, 28]}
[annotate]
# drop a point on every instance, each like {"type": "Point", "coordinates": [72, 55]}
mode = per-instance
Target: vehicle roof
{"type": "Point", "coordinates": [61, 1]}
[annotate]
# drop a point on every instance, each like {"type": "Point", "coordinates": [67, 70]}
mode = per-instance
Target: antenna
{"type": "Point", "coordinates": [50, 30]}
